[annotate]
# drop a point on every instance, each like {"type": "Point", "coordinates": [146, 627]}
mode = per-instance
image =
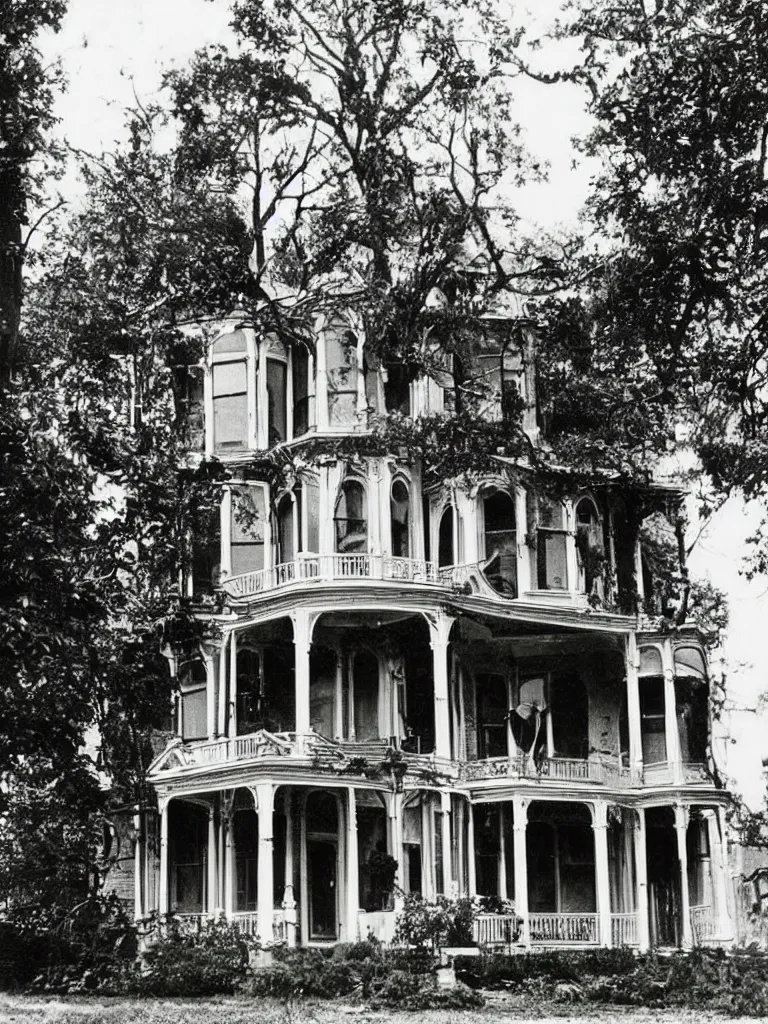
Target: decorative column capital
{"type": "Point", "coordinates": [599, 815]}
{"type": "Point", "coordinates": [440, 624]}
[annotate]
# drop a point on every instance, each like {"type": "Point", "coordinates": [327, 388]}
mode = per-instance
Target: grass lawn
{"type": "Point", "coordinates": [233, 1010]}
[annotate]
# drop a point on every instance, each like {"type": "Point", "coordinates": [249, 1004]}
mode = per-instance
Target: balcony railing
{"type": "Point", "coordinates": [624, 929]}
{"type": "Point", "coordinates": [565, 928]}
{"type": "Point", "coordinates": [565, 769]}
{"type": "Point", "coordinates": [665, 773]}
{"type": "Point", "coordinates": [337, 567]}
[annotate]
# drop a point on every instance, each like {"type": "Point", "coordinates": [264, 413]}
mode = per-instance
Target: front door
{"type": "Point", "coordinates": [321, 862]}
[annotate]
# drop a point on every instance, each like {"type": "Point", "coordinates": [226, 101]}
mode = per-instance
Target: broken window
{"type": "Point", "coordinates": [551, 543]}
{"type": "Point", "coordinates": [301, 398]}
{"type": "Point", "coordinates": [500, 538]}
{"type": "Point", "coordinates": [445, 551]}
{"type": "Point", "coordinates": [341, 371]}
{"type": "Point", "coordinates": [397, 389]}
{"type": "Point", "coordinates": [190, 409]}
{"type": "Point", "coordinates": [589, 545]}
{"type": "Point", "coordinates": [247, 525]}
{"type": "Point", "coordinates": [692, 703]}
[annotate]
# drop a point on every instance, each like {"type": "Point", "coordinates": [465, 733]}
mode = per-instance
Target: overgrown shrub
{"type": "Point", "coordinates": [435, 923]}
{"type": "Point", "coordinates": [306, 972]}
{"type": "Point", "coordinates": [403, 991]}
{"type": "Point", "coordinates": [501, 970]}
{"type": "Point", "coordinates": [212, 961]}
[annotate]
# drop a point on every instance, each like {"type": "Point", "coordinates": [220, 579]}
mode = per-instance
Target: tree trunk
{"type": "Point", "coordinates": [11, 259]}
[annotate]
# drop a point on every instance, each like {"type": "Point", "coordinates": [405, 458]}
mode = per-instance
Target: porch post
{"type": "Point", "coordinates": [232, 694]}
{"type": "Point", "coordinates": [138, 865]}
{"type": "Point", "coordinates": [719, 865]}
{"type": "Point", "coordinates": [641, 877]}
{"type": "Point", "coordinates": [162, 902]}
{"type": "Point", "coordinates": [210, 695]}
{"type": "Point", "coordinates": [447, 858]}
{"type": "Point", "coordinates": [502, 852]}
{"type": "Point", "coordinates": [264, 794]}
{"type": "Point", "coordinates": [602, 874]}
{"type": "Point", "coordinates": [289, 898]}
{"type": "Point", "coordinates": [353, 883]}
{"type": "Point", "coordinates": [519, 824]}
{"type": "Point", "coordinates": [439, 631]}
{"type": "Point", "coordinates": [471, 864]}
{"type": "Point", "coordinates": [302, 632]}
{"type": "Point", "coordinates": [681, 829]}
{"type": "Point", "coordinates": [395, 813]}
{"type": "Point", "coordinates": [222, 694]}
{"type": "Point", "coordinates": [229, 865]}
{"type": "Point", "coordinates": [632, 662]}
{"type": "Point", "coordinates": [211, 860]}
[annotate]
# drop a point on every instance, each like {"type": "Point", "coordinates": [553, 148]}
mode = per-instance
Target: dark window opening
{"type": "Point", "coordinates": [351, 518]}
{"type": "Point", "coordinates": [277, 395]}
{"type": "Point", "coordinates": [501, 543]}
{"type": "Point", "coordinates": [445, 552]}
{"type": "Point", "coordinates": [397, 389]}
{"type": "Point", "coordinates": [300, 375]}
{"type": "Point", "coordinates": [400, 519]}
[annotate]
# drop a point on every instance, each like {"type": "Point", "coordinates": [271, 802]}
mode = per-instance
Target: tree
{"type": "Point", "coordinates": [26, 86]}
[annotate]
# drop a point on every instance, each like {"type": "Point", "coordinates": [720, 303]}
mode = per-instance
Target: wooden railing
{"type": "Point", "coordinates": [624, 929]}
{"type": "Point", "coordinates": [246, 922]}
{"type": "Point", "coordinates": [240, 748]}
{"type": "Point", "coordinates": [702, 924]}
{"type": "Point", "coordinates": [335, 567]}
{"type": "Point", "coordinates": [496, 929]}
{"type": "Point", "coordinates": [566, 928]}
{"type": "Point", "coordinates": [565, 769]}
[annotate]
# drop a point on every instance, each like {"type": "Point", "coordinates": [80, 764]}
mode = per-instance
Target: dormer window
{"type": "Point", "coordinates": [229, 385]}
{"type": "Point", "coordinates": [350, 518]}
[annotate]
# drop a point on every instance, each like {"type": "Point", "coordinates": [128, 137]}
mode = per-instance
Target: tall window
{"type": "Point", "coordinates": [500, 537]}
{"type": "Point", "coordinates": [247, 529]}
{"type": "Point", "coordinates": [277, 398]}
{"type": "Point", "coordinates": [287, 534]}
{"type": "Point", "coordinates": [551, 540]}
{"type": "Point", "coordinates": [399, 507]}
{"type": "Point", "coordinates": [300, 374]}
{"type": "Point", "coordinates": [492, 710]}
{"type": "Point", "coordinates": [589, 544]}
{"type": "Point", "coordinates": [230, 392]}
{"type": "Point", "coordinates": [193, 701]}
{"type": "Point", "coordinates": [342, 370]}
{"type": "Point", "coordinates": [445, 552]}
{"type": "Point", "coordinates": [652, 706]}
{"type": "Point", "coordinates": [351, 518]}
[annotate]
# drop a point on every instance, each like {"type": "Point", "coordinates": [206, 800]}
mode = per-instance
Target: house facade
{"type": "Point", "coordinates": [435, 671]}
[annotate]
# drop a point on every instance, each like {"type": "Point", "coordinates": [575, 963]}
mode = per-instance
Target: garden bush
{"type": "Point", "coordinates": [404, 991]}
{"type": "Point", "coordinates": [435, 923]}
{"type": "Point", "coordinates": [510, 971]}
{"type": "Point", "coordinates": [306, 972]}
{"type": "Point", "coordinates": [212, 961]}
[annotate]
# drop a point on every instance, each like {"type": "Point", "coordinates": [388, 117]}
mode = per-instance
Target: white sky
{"type": "Point", "coordinates": [110, 47]}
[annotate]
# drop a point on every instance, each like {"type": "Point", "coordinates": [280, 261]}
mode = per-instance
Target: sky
{"type": "Point", "coordinates": [113, 49]}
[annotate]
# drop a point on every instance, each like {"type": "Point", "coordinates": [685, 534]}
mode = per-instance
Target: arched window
{"type": "Point", "coordinates": [652, 706]}
{"type": "Point", "coordinates": [589, 544]}
{"type": "Point", "coordinates": [400, 515]}
{"type": "Point", "coordinates": [445, 552]}
{"type": "Point", "coordinates": [692, 703]}
{"type": "Point", "coordinates": [350, 518]}
{"type": "Point", "coordinates": [500, 542]}
{"type": "Point", "coordinates": [229, 382]}
{"type": "Point", "coordinates": [193, 702]}
{"type": "Point", "coordinates": [286, 529]}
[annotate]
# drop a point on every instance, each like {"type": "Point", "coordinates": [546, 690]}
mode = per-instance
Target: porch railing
{"type": "Point", "coordinates": [495, 929]}
{"type": "Point", "coordinates": [566, 928]}
{"type": "Point", "coordinates": [702, 924]}
{"type": "Point", "coordinates": [624, 929]}
{"type": "Point", "coordinates": [247, 923]}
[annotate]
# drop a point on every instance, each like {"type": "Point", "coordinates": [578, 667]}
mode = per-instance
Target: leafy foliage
{"type": "Point", "coordinates": [211, 961]}
{"type": "Point", "coordinates": [435, 923]}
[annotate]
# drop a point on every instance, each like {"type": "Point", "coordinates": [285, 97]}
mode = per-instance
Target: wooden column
{"type": "Point", "coordinates": [519, 824]}
{"type": "Point", "coordinates": [681, 831]}
{"type": "Point", "coordinates": [641, 878]}
{"type": "Point", "coordinates": [633, 708]}
{"type": "Point", "coordinates": [602, 875]}
{"type": "Point", "coordinates": [264, 794]}
{"type": "Point", "coordinates": [302, 633]}
{"type": "Point", "coordinates": [163, 903]}
{"type": "Point", "coordinates": [289, 898]}
{"type": "Point", "coordinates": [447, 848]}
{"type": "Point", "coordinates": [439, 632]}
{"type": "Point", "coordinates": [502, 852]}
{"type": "Point", "coordinates": [211, 879]}
{"type": "Point", "coordinates": [471, 863]}
{"type": "Point", "coordinates": [353, 883]}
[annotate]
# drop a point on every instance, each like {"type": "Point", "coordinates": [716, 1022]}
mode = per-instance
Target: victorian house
{"type": "Point", "coordinates": [436, 672]}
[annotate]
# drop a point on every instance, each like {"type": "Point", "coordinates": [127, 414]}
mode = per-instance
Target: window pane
{"type": "Point", "coordinates": [194, 717]}
{"type": "Point", "coordinates": [234, 342]}
{"type": "Point", "coordinates": [313, 514]}
{"type": "Point", "coordinates": [229, 379]}
{"type": "Point", "coordinates": [247, 530]}
{"type": "Point", "coordinates": [552, 561]}
{"type": "Point", "coordinates": [277, 382]}
{"type": "Point", "coordinates": [230, 422]}
{"type": "Point", "coordinates": [300, 391]}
